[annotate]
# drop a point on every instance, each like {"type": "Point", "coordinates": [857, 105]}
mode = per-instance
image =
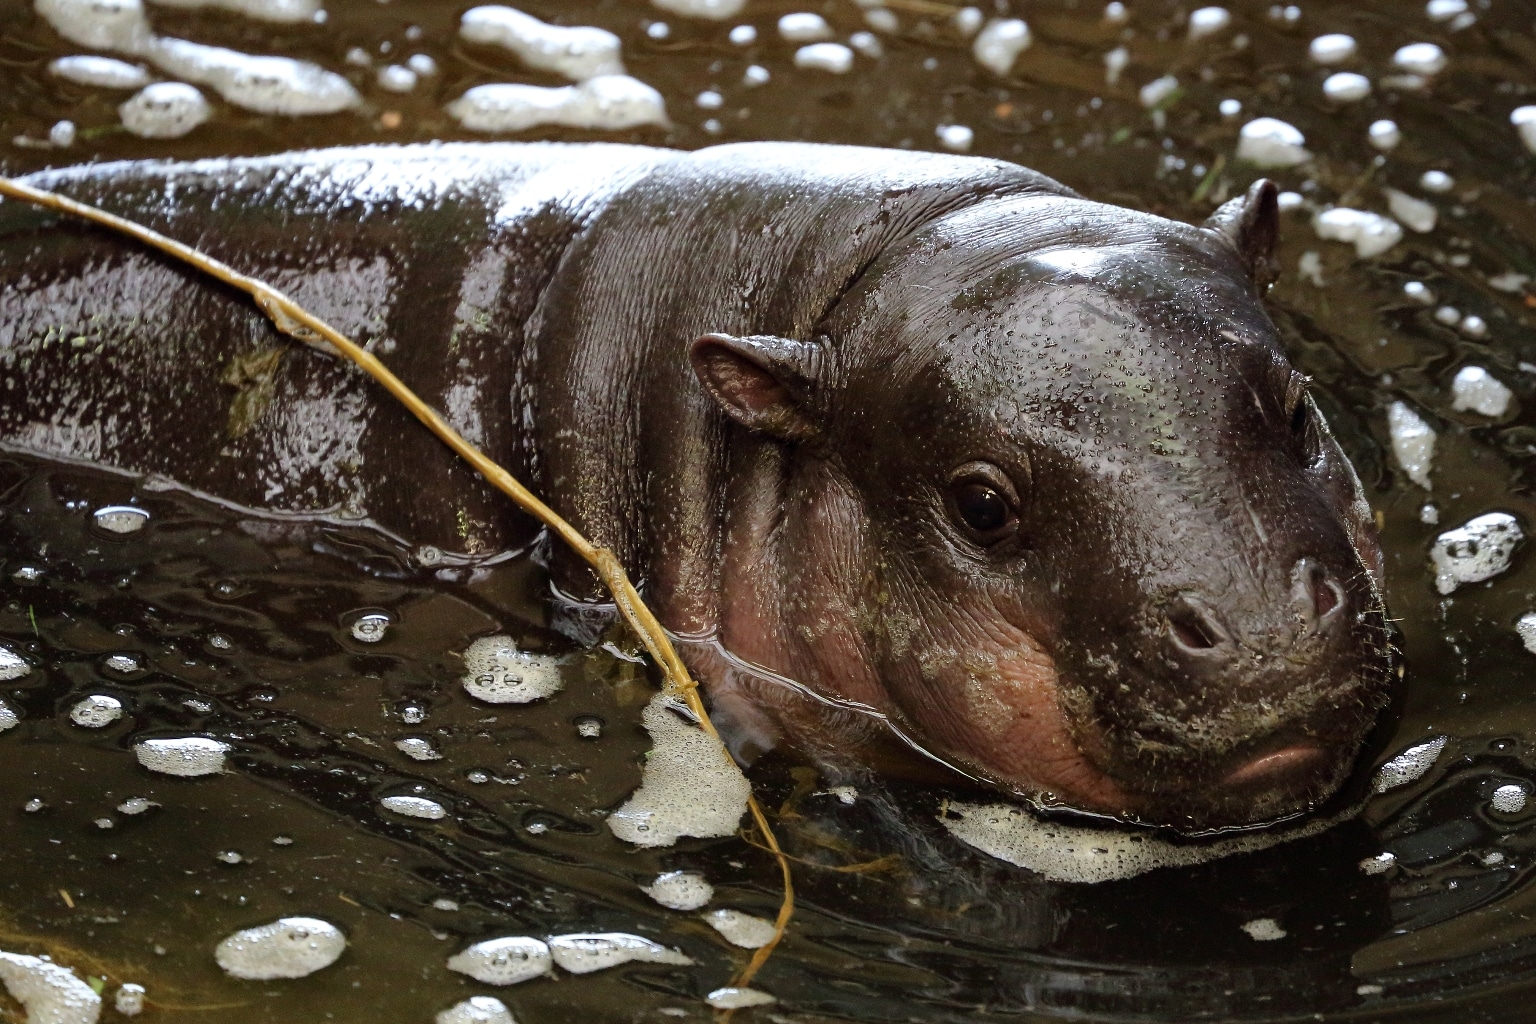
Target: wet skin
{"type": "Point", "coordinates": [1022, 478]}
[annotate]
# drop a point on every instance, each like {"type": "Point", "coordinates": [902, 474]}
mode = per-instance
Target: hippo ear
{"type": "Point", "coordinates": [760, 381]}
{"type": "Point", "coordinates": [1251, 225]}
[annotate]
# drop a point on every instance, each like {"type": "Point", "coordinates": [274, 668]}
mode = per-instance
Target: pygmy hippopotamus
{"type": "Point", "coordinates": [917, 454]}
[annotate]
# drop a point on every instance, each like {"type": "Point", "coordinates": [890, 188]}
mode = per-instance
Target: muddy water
{"type": "Point", "coordinates": [239, 627]}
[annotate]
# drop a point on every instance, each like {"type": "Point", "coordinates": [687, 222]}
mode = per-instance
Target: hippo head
{"type": "Point", "coordinates": [1057, 505]}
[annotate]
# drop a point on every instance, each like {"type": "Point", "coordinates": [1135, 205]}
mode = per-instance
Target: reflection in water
{"type": "Point", "coordinates": [268, 637]}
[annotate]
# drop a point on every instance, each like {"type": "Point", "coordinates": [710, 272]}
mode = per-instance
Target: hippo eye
{"type": "Point", "coordinates": [982, 500]}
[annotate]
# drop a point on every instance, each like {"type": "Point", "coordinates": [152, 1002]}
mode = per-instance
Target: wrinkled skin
{"type": "Point", "coordinates": [1019, 479]}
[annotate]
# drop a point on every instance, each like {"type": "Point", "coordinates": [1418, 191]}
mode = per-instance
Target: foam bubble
{"type": "Point", "coordinates": [165, 110]}
{"type": "Point", "coordinates": [1115, 13]}
{"type": "Point", "coordinates": [293, 947]}
{"type": "Point", "coordinates": [1346, 87]}
{"type": "Point", "coordinates": [122, 519]}
{"type": "Point", "coordinates": [1264, 929]}
{"type": "Point", "coordinates": [1116, 61]}
{"type": "Point", "coordinates": [1334, 48]}
{"type": "Point", "coordinates": [585, 952]}
{"type": "Point", "coordinates": [280, 11]}
{"type": "Point", "coordinates": [415, 807]}
{"type": "Point", "coordinates": [510, 960]}
{"type": "Point", "coordinates": [477, 1010]}
{"type": "Point", "coordinates": [1062, 852]}
{"type": "Point", "coordinates": [1474, 326]}
{"type": "Point", "coordinates": [1371, 233]}
{"type": "Point", "coordinates": [1384, 135]}
{"type": "Point", "coordinates": [498, 673]}
{"type": "Point", "coordinates": [1526, 627]}
{"type": "Point", "coordinates": [609, 103]}
{"type": "Point", "coordinates": [1419, 292]}
{"type": "Point", "coordinates": [1420, 59]}
{"type": "Point", "coordinates": [100, 72]}
{"type": "Point", "coordinates": [417, 749]}
{"type": "Point", "coordinates": [999, 44]}
{"type": "Point", "coordinates": [734, 998]}
{"type": "Point", "coordinates": [1379, 864]}
{"type": "Point", "coordinates": [684, 890]}
{"type": "Point", "coordinates": [1448, 315]}
{"type": "Point", "coordinates": [743, 35]}
{"type": "Point", "coordinates": [804, 27]}
{"type": "Point", "coordinates": [832, 57]}
{"type": "Point", "coordinates": [1207, 21]}
{"type": "Point", "coordinates": [187, 756]}
{"type": "Point", "coordinates": [688, 787]}
{"type": "Point", "coordinates": [1475, 389]}
{"type": "Point", "coordinates": [266, 85]}
{"type": "Point", "coordinates": [754, 76]}
{"type": "Point", "coordinates": [1509, 799]}
{"type": "Point", "coordinates": [1410, 765]}
{"type": "Point", "coordinates": [578, 53]}
{"type": "Point", "coordinates": [62, 134]}
{"type": "Point", "coordinates": [739, 929]}
{"type": "Point", "coordinates": [12, 665]}
{"type": "Point", "coordinates": [99, 24]}
{"type": "Point", "coordinates": [1416, 213]}
{"type": "Point", "coordinates": [1445, 10]}
{"type": "Point", "coordinates": [49, 993]}
{"type": "Point", "coordinates": [1436, 181]}
{"type": "Point", "coordinates": [135, 805]}
{"type": "Point", "coordinates": [714, 10]}
{"type": "Point", "coordinates": [370, 628]}
{"type": "Point", "coordinates": [1475, 551]}
{"type": "Point", "coordinates": [1413, 442]}
{"type": "Point", "coordinates": [8, 717]}
{"type": "Point", "coordinates": [1524, 120]}
{"type": "Point", "coordinates": [124, 663]}
{"type": "Point", "coordinates": [1157, 91]}
{"type": "Point", "coordinates": [396, 78]}
{"type": "Point", "coordinates": [96, 711]}
{"type": "Point", "coordinates": [1270, 142]}
{"type": "Point", "coordinates": [129, 1000]}
{"type": "Point", "coordinates": [956, 138]}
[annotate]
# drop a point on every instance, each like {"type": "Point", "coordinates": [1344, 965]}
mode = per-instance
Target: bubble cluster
{"type": "Point", "coordinates": [680, 890]}
{"type": "Point", "coordinates": [585, 952]}
{"type": "Point", "coordinates": [186, 757]}
{"type": "Point", "coordinates": [1410, 765]}
{"type": "Point", "coordinates": [292, 947]}
{"type": "Point", "coordinates": [1475, 551]}
{"type": "Point", "coordinates": [498, 673]}
{"type": "Point", "coordinates": [505, 961]}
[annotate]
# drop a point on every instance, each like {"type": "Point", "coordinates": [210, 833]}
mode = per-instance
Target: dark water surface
{"type": "Point", "coordinates": [240, 627]}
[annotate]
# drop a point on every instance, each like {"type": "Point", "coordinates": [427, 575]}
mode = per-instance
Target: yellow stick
{"type": "Point", "coordinates": [292, 319]}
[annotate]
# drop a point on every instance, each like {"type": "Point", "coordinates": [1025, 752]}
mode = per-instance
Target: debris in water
{"type": "Point", "coordinates": [1270, 142]}
{"type": "Point", "coordinates": [689, 785]}
{"type": "Point", "coordinates": [999, 44]}
{"type": "Point", "coordinates": [505, 961]}
{"type": "Point", "coordinates": [187, 757]}
{"type": "Point", "coordinates": [587, 952]}
{"type": "Point", "coordinates": [1410, 765]}
{"type": "Point", "coordinates": [477, 1010]}
{"type": "Point", "coordinates": [1475, 551]}
{"type": "Point", "coordinates": [165, 110]}
{"type": "Point", "coordinates": [293, 947]}
{"type": "Point", "coordinates": [415, 807]}
{"type": "Point", "coordinates": [689, 890]}
{"type": "Point", "coordinates": [578, 53]}
{"type": "Point", "coordinates": [608, 103]}
{"type": "Point", "coordinates": [96, 711]}
{"type": "Point", "coordinates": [740, 929]}
{"type": "Point", "coordinates": [49, 993]}
{"type": "Point", "coordinates": [732, 998]}
{"type": "Point", "coordinates": [1475, 389]}
{"type": "Point", "coordinates": [499, 673]}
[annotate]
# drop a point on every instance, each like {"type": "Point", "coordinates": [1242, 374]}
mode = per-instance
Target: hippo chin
{"type": "Point", "coordinates": [1022, 480]}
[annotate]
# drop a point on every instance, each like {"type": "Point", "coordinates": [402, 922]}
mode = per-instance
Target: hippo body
{"type": "Point", "coordinates": [911, 451]}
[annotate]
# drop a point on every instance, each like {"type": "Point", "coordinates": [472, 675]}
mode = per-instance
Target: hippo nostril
{"type": "Point", "coordinates": [1315, 590]}
{"type": "Point", "coordinates": [1192, 629]}
{"type": "Point", "coordinates": [1325, 595]}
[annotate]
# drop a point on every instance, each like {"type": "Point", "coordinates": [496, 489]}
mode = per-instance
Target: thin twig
{"type": "Point", "coordinates": [293, 320]}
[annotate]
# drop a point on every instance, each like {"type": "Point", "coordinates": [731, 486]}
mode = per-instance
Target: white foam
{"type": "Point", "coordinates": [477, 1010]}
{"type": "Point", "coordinates": [96, 711]}
{"type": "Point", "coordinates": [49, 993]}
{"type": "Point", "coordinates": [1475, 551]}
{"type": "Point", "coordinates": [293, 947]}
{"type": "Point", "coordinates": [12, 665]}
{"type": "Point", "coordinates": [8, 717]}
{"type": "Point", "coordinates": [186, 757]}
{"type": "Point", "coordinates": [1063, 852]}
{"type": "Point", "coordinates": [1379, 864]}
{"type": "Point", "coordinates": [62, 134]}
{"type": "Point", "coordinates": [422, 64]}
{"type": "Point", "coordinates": [1156, 91]}
{"type": "Point", "coordinates": [1410, 765]}
{"type": "Point", "coordinates": [1419, 292]}
{"type": "Point", "coordinates": [681, 890]}
{"type": "Point", "coordinates": [1475, 389]}
{"type": "Point", "coordinates": [1334, 48]}
{"type": "Point", "coordinates": [1270, 142]}
{"type": "Point", "coordinates": [498, 673]}
{"type": "Point", "coordinates": [742, 35]}
{"type": "Point", "coordinates": [100, 72]}
{"type": "Point", "coordinates": [1371, 233]}
{"type": "Point", "coordinates": [1207, 21]}
{"type": "Point", "coordinates": [804, 27]}
{"type": "Point", "coordinates": [688, 787]}
{"type": "Point", "coordinates": [370, 628]}
{"type": "Point", "coordinates": [1524, 120]}
{"type": "Point", "coordinates": [1436, 181]}
{"type": "Point", "coordinates": [135, 805]}
{"type": "Point", "coordinates": [1346, 87]}
{"type": "Point", "coordinates": [740, 929]}
{"type": "Point", "coordinates": [609, 103]}
{"type": "Point", "coordinates": [417, 749]}
{"type": "Point", "coordinates": [1509, 799]}
{"type": "Point", "coordinates": [968, 21]}
{"type": "Point", "coordinates": [122, 519]}
{"type": "Point", "coordinates": [1420, 59]}
{"type": "Point", "coordinates": [1264, 929]}
{"type": "Point", "coordinates": [714, 10]}
{"type": "Point", "coordinates": [1445, 10]}
{"type": "Point", "coordinates": [509, 960]}
{"type": "Point", "coordinates": [415, 807]}
{"type": "Point", "coordinates": [1474, 326]}
{"type": "Point", "coordinates": [999, 44]}
{"type": "Point", "coordinates": [280, 11]}
{"type": "Point", "coordinates": [1115, 62]}
{"type": "Point", "coordinates": [1526, 627]}
{"type": "Point", "coordinates": [266, 85]}
{"type": "Point", "coordinates": [956, 138]}
{"type": "Point", "coordinates": [831, 57]}
{"type": "Point", "coordinates": [733, 998]}
{"type": "Point", "coordinates": [1229, 107]}
{"type": "Point", "coordinates": [585, 952]}
{"type": "Point", "coordinates": [129, 1000]}
{"type": "Point", "coordinates": [1115, 13]}
{"type": "Point", "coordinates": [1413, 442]}
{"type": "Point", "coordinates": [165, 110]}
{"type": "Point", "coordinates": [579, 53]}
{"type": "Point", "coordinates": [396, 78]}
{"type": "Point", "coordinates": [754, 76]}
{"type": "Point", "coordinates": [117, 25]}
{"type": "Point", "coordinates": [1418, 214]}
{"type": "Point", "coordinates": [1448, 315]}
{"type": "Point", "coordinates": [1384, 135]}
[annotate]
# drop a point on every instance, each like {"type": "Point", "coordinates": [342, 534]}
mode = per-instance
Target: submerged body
{"type": "Point", "coordinates": [1022, 479]}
